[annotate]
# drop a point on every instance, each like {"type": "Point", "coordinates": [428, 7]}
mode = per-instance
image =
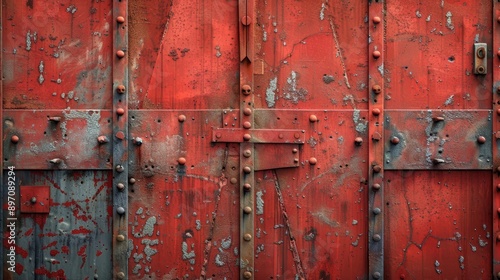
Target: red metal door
{"type": "Point", "coordinates": [251, 139]}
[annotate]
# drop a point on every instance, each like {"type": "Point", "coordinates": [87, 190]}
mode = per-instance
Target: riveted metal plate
{"type": "Point", "coordinates": [435, 139]}
{"type": "Point", "coordinates": [258, 135]}
{"type": "Point", "coordinates": [275, 156]}
{"type": "Point", "coordinates": [35, 199]}
{"type": "Point", "coordinates": [57, 139]}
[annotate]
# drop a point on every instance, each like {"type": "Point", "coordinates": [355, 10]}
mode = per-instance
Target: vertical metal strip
{"type": "Point", "coordinates": [247, 192]}
{"type": "Point", "coordinates": [120, 138]}
{"type": "Point", "coordinates": [376, 24]}
{"type": "Point", "coordinates": [496, 144]}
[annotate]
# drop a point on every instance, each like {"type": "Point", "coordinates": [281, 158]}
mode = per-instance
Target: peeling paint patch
{"type": "Point", "coordinates": [328, 78]}
{"type": "Point", "coordinates": [198, 224]}
{"type": "Point", "coordinates": [260, 203]}
{"type": "Point", "coordinates": [148, 251]}
{"type": "Point", "coordinates": [218, 261]}
{"type": "Point", "coordinates": [185, 254]}
{"type": "Point", "coordinates": [449, 23]}
{"type": "Point", "coordinates": [217, 51]}
{"type": "Point", "coordinates": [226, 243]}
{"type": "Point", "coordinates": [293, 93]}
{"type": "Point", "coordinates": [322, 12]}
{"type": "Point", "coordinates": [271, 92]}
{"type": "Point", "coordinates": [360, 123]}
{"type": "Point", "coordinates": [71, 9]}
{"type": "Point", "coordinates": [449, 101]}
{"type": "Point", "coordinates": [28, 41]}
{"type": "Point", "coordinates": [324, 217]}
{"type": "Point", "coordinates": [381, 69]}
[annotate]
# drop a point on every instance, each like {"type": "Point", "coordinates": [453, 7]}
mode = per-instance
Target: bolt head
{"type": "Point", "coordinates": [358, 141]}
{"type": "Point", "coordinates": [181, 160]}
{"type": "Point", "coordinates": [402, 276]}
{"type": "Point", "coordinates": [376, 187]}
{"type": "Point", "coordinates": [120, 54]}
{"type": "Point", "coordinates": [233, 180]}
{"type": "Point", "coordinates": [296, 135]}
{"type": "Point", "coordinates": [247, 237]}
{"type": "Point", "coordinates": [120, 135]}
{"type": "Point", "coordinates": [120, 19]}
{"type": "Point", "coordinates": [376, 237]}
{"type": "Point", "coordinates": [246, 89]}
{"type": "Point", "coordinates": [14, 139]}
{"type": "Point", "coordinates": [481, 139]}
{"type": "Point", "coordinates": [498, 237]}
{"type": "Point", "coordinates": [376, 20]}
{"type": "Point", "coordinates": [247, 153]}
{"type": "Point", "coordinates": [313, 118]}
{"type": "Point", "coordinates": [313, 161]}
{"type": "Point", "coordinates": [246, 20]}
{"type": "Point", "coordinates": [247, 209]}
{"type": "Point", "coordinates": [120, 89]}
{"type": "Point", "coordinates": [247, 169]}
{"type": "Point", "coordinates": [395, 140]}
{"type": "Point", "coordinates": [247, 137]}
{"type": "Point", "coordinates": [247, 125]}
{"type": "Point", "coordinates": [247, 275]}
{"type": "Point", "coordinates": [120, 237]}
{"type": "Point", "coordinates": [294, 151]}
{"type": "Point", "coordinates": [119, 168]}
{"type": "Point", "coordinates": [247, 111]}
{"type": "Point", "coordinates": [120, 111]}
{"type": "Point", "coordinates": [376, 112]}
{"type": "Point", "coordinates": [102, 139]}
{"type": "Point", "coordinates": [376, 275]}
{"type": "Point", "coordinates": [120, 275]}
{"type": "Point", "coordinates": [131, 180]}
{"type": "Point", "coordinates": [33, 200]}
{"type": "Point", "coordinates": [498, 19]}
{"type": "Point", "coordinates": [377, 89]}
{"type": "Point", "coordinates": [247, 187]}
{"type": "Point", "coordinates": [376, 54]}
{"type": "Point", "coordinates": [120, 186]}
{"type": "Point", "coordinates": [377, 168]}
{"type": "Point", "coordinates": [377, 211]}
{"type": "Point", "coordinates": [498, 90]}
{"type": "Point", "coordinates": [120, 210]}
{"type": "Point", "coordinates": [181, 118]}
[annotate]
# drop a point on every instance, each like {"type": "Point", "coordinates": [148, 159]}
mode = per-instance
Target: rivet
{"type": "Point", "coordinates": [395, 140]}
{"type": "Point", "coordinates": [120, 237]}
{"type": "Point", "coordinates": [247, 111]}
{"type": "Point", "coordinates": [247, 153]}
{"type": "Point", "coordinates": [376, 211]}
{"type": "Point", "coordinates": [120, 89]}
{"type": "Point", "coordinates": [120, 54]}
{"type": "Point", "coordinates": [376, 275]}
{"type": "Point", "coordinates": [295, 160]}
{"type": "Point", "coordinates": [102, 139]}
{"type": "Point", "coordinates": [55, 119]}
{"type": "Point", "coordinates": [247, 237]}
{"type": "Point", "coordinates": [498, 210]}
{"type": "Point", "coordinates": [33, 200]}
{"type": "Point", "coordinates": [181, 118]}
{"type": "Point", "coordinates": [376, 20]}
{"type": "Point", "coordinates": [247, 125]}
{"type": "Point", "coordinates": [296, 135]}
{"type": "Point", "coordinates": [218, 135]}
{"type": "Point", "coordinates": [498, 19]}
{"type": "Point", "coordinates": [233, 180]}
{"type": "Point", "coordinates": [280, 136]}
{"type": "Point", "coordinates": [437, 119]}
{"type": "Point", "coordinates": [402, 276]}
{"type": "Point", "coordinates": [377, 168]}
{"type": "Point", "coordinates": [358, 141]}
{"type": "Point", "coordinates": [55, 160]}
{"type": "Point", "coordinates": [313, 118]}
{"type": "Point", "coordinates": [376, 187]}
{"type": "Point", "coordinates": [247, 187]}
{"type": "Point", "coordinates": [14, 139]}
{"type": "Point", "coordinates": [246, 20]}
{"type": "Point", "coordinates": [131, 180]}
{"type": "Point", "coordinates": [498, 237]}
{"type": "Point", "coordinates": [481, 139]}
{"type": "Point", "coordinates": [120, 275]}
{"type": "Point", "coordinates": [313, 161]}
{"type": "Point", "coordinates": [376, 112]}
{"type": "Point", "coordinates": [120, 186]}
{"type": "Point", "coordinates": [498, 112]}
{"type": "Point", "coordinates": [247, 137]}
{"type": "Point", "coordinates": [247, 209]}
{"type": "Point", "coordinates": [376, 136]}
{"type": "Point", "coordinates": [377, 89]}
{"type": "Point", "coordinates": [120, 111]}
{"type": "Point", "coordinates": [294, 151]}
{"type": "Point", "coordinates": [498, 90]}
{"type": "Point", "coordinates": [247, 169]}
{"type": "Point", "coordinates": [181, 160]}
{"type": "Point", "coordinates": [247, 275]}
{"type": "Point", "coordinates": [246, 89]}
{"type": "Point", "coordinates": [498, 275]}
{"type": "Point", "coordinates": [376, 237]}
{"type": "Point", "coordinates": [120, 135]}
{"type": "Point", "coordinates": [376, 54]}
{"type": "Point", "coordinates": [119, 168]}
{"type": "Point", "coordinates": [498, 53]}
{"type": "Point", "coordinates": [120, 210]}
{"type": "Point", "coordinates": [137, 141]}
{"type": "Point", "coordinates": [120, 19]}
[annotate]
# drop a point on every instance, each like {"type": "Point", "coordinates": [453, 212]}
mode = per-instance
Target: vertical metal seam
{"type": "Point", "coordinates": [495, 141]}
{"type": "Point", "coordinates": [120, 139]}
{"type": "Point", "coordinates": [376, 48]}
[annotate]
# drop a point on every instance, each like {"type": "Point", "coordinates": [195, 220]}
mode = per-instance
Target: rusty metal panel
{"type": "Point", "coordinates": [56, 54]}
{"type": "Point", "coordinates": [311, 54]}
{"type": "Point", "coordinates": [429, 63]}
{"type": "Point", "coordinates": [432, 139]}
{"type": "Point", "coordinates": [72, 240]}
{"type": "Point", "coordinates": [438, 225]}
{"type": "Point", "coordinates": [55, 139]}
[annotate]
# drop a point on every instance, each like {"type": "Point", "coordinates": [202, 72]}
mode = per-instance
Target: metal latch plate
{"type": "Point", "coordinates": [35, 199]}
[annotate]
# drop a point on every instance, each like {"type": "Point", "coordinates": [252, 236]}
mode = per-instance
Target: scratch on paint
{"type": "Point", "coordinates": [339, 52]}
{"type": "Point", "coordinates": [293, 245]}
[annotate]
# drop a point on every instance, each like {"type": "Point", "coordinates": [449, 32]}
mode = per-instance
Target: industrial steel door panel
{"type": "Point", "coordinates": [250, 139]}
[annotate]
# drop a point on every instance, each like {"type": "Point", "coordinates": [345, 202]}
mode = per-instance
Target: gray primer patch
{"type": "Point", "coordinates": [136, 269]}
{"type": "Point", "coordinates": [138, 257]}
{"type": "Point", "coordinates": [198, 224]}
{"type": "Point", "coordinates": [381, 69]}
{"type": "Point", "coordinates": [28, 41]}
{"type": "Point", "coordinates": [148, 228]}
{"type": "Point", "coordinates": [293, 93]}
{"type": "Point", "coordinates": [270, 92]}
{"type": "Point", "coordinates": [360, 123]}
{"type": "Point", "coordinates": [449, 101]}
{"type": "Point", "coordinates": [40, 69]}
{"type": "Point", "coordinates": [218, 261]}
{"type": "Point", "coordinates": [260, 203]}
{"type": "Point", "coordinates": [449, 23]}
{"type": "Point", "coordinates": [185, 254]}
{"type": "Point", "coordinates": [139, 211]}
{"type": "Point", "coordinates": [328, 79]}
{"type": "Point", "coordinates": [148, 251]}
{"type": "Point", "coordinates": [226, 243]}
{"type": "Point", "coordinates": [322, 12]}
